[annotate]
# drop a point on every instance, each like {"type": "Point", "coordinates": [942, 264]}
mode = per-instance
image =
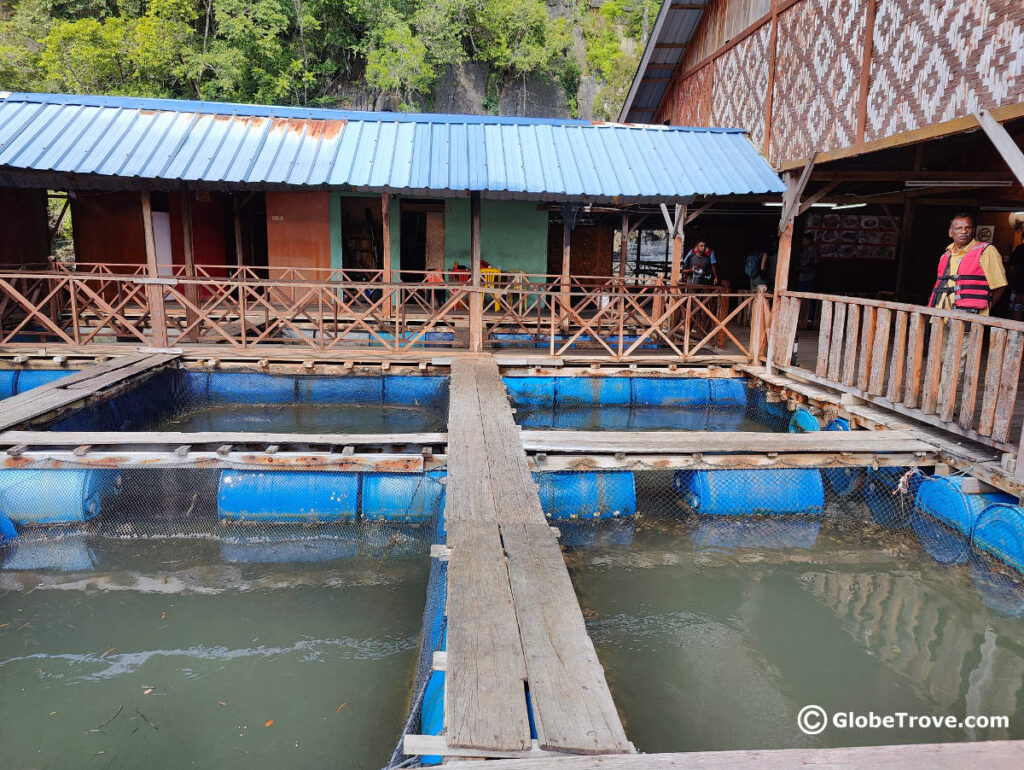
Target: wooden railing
{"type": "Point", "coordinates": [330, 310]}
{"type": "Point", "coordinates": [908, 357]}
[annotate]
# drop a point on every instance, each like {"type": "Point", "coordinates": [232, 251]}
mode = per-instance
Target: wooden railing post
{"type": "Point", "coordinates": [191, 290]}
{"type": "Point", "coordinates": [476, 298]}
{"type": "Point", "coordinates": [757, 324]}
{"type": "Point", "coordinates": [154, 292]}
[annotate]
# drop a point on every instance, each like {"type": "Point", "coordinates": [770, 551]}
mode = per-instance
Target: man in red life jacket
{"type": "Point", "coordinates": [970, 278]}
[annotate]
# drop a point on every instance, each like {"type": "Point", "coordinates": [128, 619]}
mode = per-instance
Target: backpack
{"type": "Point", "coordinates": [753, 266]}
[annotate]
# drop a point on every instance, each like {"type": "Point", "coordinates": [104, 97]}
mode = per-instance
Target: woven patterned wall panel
{"type": "Point", "coordinates": [817, 77]}
{"type": "Point", "coordinates": [690, 100]}
{"type": "Point", "coordinates": [941, 59]}
{"type": "Point", "coordinates": [741, 85]}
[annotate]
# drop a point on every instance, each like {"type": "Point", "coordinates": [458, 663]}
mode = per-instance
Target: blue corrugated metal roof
{"type": "Point", "coordinates": [208, 143]}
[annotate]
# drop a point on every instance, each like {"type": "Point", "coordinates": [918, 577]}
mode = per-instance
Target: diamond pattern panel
{"type": "Point", "coordinates": [938, 60]}
{"type": "Point", "coordinates": [741, 85]}
{"type": "Point", "coordinates": [818, 69]}
{"type": "Point", "coordinates": [690, 102]}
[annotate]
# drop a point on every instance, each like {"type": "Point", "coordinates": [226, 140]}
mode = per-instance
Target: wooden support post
{"type": "Point", "coordinates": [677, 246]}
{"type": "Point", "coordinates": [624, 245]}
{"type": "Point", "coordinates": [782, 262]}
{"type": "Point", "coordinates": [385, 240]}
{"type": "Point", "coordinates": [565, 289]}
{"type": "Point", "coordinates": [237, 206]}
{"type": "Point", "coordinates": [1003, 142]}
{"type": "Point", "coordinates": [154, 292]}
{"type": "Point", "coordinates": [191, 289]}
{"type": "Point", "coordinates": [476, 299]}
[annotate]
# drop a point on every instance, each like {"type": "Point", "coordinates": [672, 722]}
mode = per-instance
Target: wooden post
{"type": "Point", "coordinates": [154, 293]}
{"type": "Point", "coordinates": [476, 298]}
{"type": "Point", "coordinates": [782, 262]}
{"type": "Point", "coordinates": [624, 245]}
{"type": "Point", "coordinates": [677, 246]}
{"type": "Point", "coordinates": [566, 297]}
{"type": "Point", "coordinates": [385, 240]}
{"type": "Point", "coordinates": [191, 289]}
{"type": "Point", "coordinates": [237, 205]}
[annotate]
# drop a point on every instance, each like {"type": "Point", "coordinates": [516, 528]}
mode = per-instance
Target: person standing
{"type": "Point", "coordinates": [699, 264]}
{"type": "Point", "coordinates": [807, 272]}
{"type": "Point", "coordinates": [971, 279]}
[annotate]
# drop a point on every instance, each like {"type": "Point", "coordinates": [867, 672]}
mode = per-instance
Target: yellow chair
{"type": "Point", "coordinates": [490, 276]}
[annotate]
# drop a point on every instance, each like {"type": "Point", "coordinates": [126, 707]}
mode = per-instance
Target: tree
{"type": "Point", "coordinates": [397, 62]}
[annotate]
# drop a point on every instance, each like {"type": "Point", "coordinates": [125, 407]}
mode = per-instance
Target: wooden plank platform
{"type": "Point", "coordinates": [935, 756]}
{"type": "Point", "coordinates": [503, 552]}
{"type": "Point", "coordinates": [720, 442]}
{"type": "Point", "coordinates": [31, 438]}
{"type": "Point", "coordinates": [47, 398]}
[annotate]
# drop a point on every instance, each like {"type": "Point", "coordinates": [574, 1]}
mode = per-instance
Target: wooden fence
{"type": "Point", "coordinates": [955, 370]}
{"type": "Point", "coordinates": [328, 310]}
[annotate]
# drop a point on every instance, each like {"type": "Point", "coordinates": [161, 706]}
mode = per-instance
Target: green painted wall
{"type": "Point", "coordinates": [335, 201]}
{"type": "Point", "coordinates": [513, 234]}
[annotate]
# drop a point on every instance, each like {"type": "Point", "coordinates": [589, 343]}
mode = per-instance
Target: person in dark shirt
{"type": "Point", "coordinates": [1017, 282]}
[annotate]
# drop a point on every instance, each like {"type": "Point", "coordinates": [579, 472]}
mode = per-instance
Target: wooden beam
{"type": "Point", "coordinates": [670, 45]}
{"type": "Point", "coordinates": [624, 244]}
{"type": "Point", "coordinates": [865, 72]}
{"type": "Point", "coordinates": [791, 200]}
{"type": "Point", "coordinates": [191, 289]}
{"type": "Point", "coordinates": [677, 246]}
{"type": "Point", "coordinates": [476, 299]}
{"type": "Point", "coordinates": [154, 292]}
{"type": "Point", "coordinates": [812, 199]}
{"type": "Point", "coordinates": [385, 240]}
{"type": "Point", "coordinates": [1004, 144]}
{"type": "Point", "coordinates": [566, 298]}
{"type": "Point", "coordinates": [694, 214]}
{"type": "Point", "coordinates": [769, 99]}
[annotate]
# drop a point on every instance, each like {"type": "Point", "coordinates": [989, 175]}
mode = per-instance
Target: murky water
{"type": "Point", "coordinates": [632, 418]}
{"type": "Point", "coordinates": [716, 632]}
{"type": "Point", "coordinates": [170, 654]}
{"type": "Point", "coordinates": [307, 418]}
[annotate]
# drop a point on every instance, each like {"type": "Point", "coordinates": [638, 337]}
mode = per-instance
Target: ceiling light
{"type": "Point", "coordinates": [958, 183]}
{"type": "Point", "coordinates": [840, 207]}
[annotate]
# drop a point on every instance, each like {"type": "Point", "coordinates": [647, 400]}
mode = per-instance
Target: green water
{"type": "Point", "coordinates": [307, 418]}
{"type": "Point", "coordinates": [709, 647]}
{"type": "Point", "coordinates": [209, 652]}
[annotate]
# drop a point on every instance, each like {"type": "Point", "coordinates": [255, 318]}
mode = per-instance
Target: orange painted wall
{"type": "Point", "coordinates": [298, 229]}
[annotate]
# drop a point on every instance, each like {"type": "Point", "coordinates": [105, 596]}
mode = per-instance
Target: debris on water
{"type": "Point", "coordinates": [4, 624]}
{"type": "Point", "coordinates": [340, 707]}
{"type": "Point", "coordinates": [148, 690]}
{"type": "Point", "coordinates": [111, 719]}
{"type": "Point", "coordinates": [163, 615]}
{"type": "Point", "coordinates": [107, 652]}
{"type": "Point", "coordinates": [268, 723]}
{"type": "Point", "coordinates": [146, 720]}
{"type": "Point", "coordinates": [52, 713]}
{"type": "Point", "coordinates": [222, 703]}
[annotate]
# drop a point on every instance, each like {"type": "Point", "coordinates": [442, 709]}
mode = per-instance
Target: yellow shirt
{"type": "Point", "coordinates": [991, 265]}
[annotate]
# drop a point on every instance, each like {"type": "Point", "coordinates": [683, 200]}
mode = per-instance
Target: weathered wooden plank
{"type": "Point", "coordinates": [867, 347]}
{"type": "Point", "coordinates": [646, 462]}
{"type": "Point", "coordinates": [469, 494]}
{"type": "Point", "coordinates": [949, 380]}
{"type": "Point", "coordinates": [972, 372]}
{"type": "Point", "coordinates": [712, 442]}
{"type": "Point", "coordinates": [824, 336]}
{"type": "Point", "coordinates": [898, 360]}
{"type": "Point", "coordinates": [915, 355]}
{"type": "Point", "coordinates": [835, 355]}
{"type": "Point", "coordinates": [485, 696]}
{"type": "Point", "coordinates": [850, 344]}
{"type": "Point", "coordinates": [933, 369]}
{"type": "Point", "coordinates": [158, 438]}
{"type": "Point", "coordinates": [572, 705]}
{"type": "Point", "coordinates": [876, 376]}
{"type": "Point", "coordinates": [993, 369]}
{"type": "Point", "coordinates": [935, 756]}
{"type": "Point", "coordinates": [122, 373]}
{"type": "Point", "coordinates": [1008, 380]}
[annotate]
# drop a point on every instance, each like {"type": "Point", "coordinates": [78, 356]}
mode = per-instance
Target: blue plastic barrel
{"type": "Point", "coordinates": [432, 713]}
{"type": "Point", "coordinates": [797, 491]}
{"type": "Point", "coordinates": [889, 507]}
{"type": "Point", "coordinates": [533, 391]}
{"type": "Point", "coordinates": [596, 391]}
{"type": "Point", "coordinates": [58, 496]}
{"type": "Point", "coordinates": [999, 531]}
{"type": "Point", "coordinates": [414, 389]}
{"type": "Point", "coordinates": [8, 532]}
{"type": "Point", "coordinates": [33, 378]}
{"type": "Point", "coordinates": [803, 421]}
{"type": "Point", "coordinates": [288, 496]}
{"type": "Point", "coordinates": [728, 392]}
{"type": "Point", "coordinates": [671, 391]}
{"type": "Point", "coordinates": [776, 532]}
{"type": "Point", "coordinates": [586, 495]}
{"type": "Point", "coordinates": [8, 382]}
{"type": "Point", "coordinates": [287, 543]}
{"type": "Point", "coordinates": [943, 498]}
{"type": "Point", "coordinates": [945, 545]}
{"type": "Point", "coordinates": [407, 497]}
{"type": "Point", "coordinates": [69, 553]}
{"type": "Point", "coordinates": [340, 390]}
{"type": "Point", "coordinates": [843, 481]}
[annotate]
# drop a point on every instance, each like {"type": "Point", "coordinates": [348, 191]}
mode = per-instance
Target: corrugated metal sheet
{"type": "Point", "coordinates": [674, 26]}
{"type": "Point", "coordinates": [241, 145]}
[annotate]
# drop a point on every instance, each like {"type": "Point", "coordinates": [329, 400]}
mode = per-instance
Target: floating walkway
{"type": "Point", "coordinates": [513, 618]}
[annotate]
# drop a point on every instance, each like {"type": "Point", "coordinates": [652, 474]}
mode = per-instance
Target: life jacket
{"type": "Point", "coordinates": [434, 276]}
{"type": "Point", "coordinates": [969, 286]}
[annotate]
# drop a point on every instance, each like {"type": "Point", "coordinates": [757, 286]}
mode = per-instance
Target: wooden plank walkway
{"type": "Point", "coordinates": [935, 756]}
{"type": "Point", "coordinates": [55, 395]}
{"type": "Point", "coordinates": [513, 617]}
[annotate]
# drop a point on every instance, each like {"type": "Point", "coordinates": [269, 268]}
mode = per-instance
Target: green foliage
{"type": "Point", "coordinates": [312, 51]}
